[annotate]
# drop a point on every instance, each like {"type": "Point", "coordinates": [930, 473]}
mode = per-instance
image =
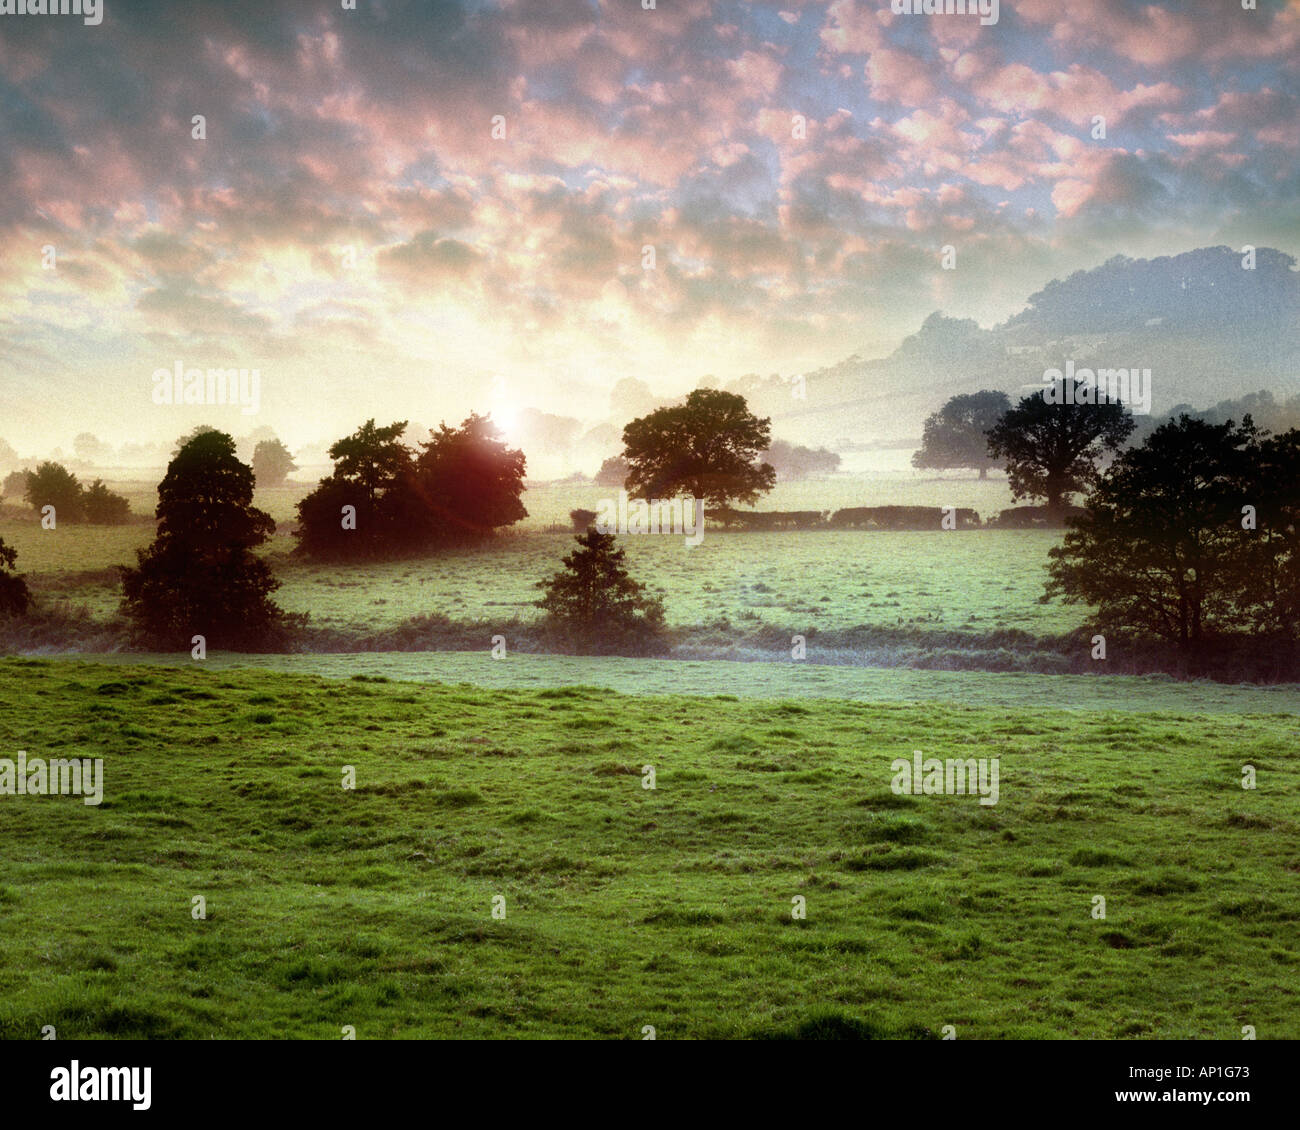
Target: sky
{"type": "Point", "coordinates": [418, 209]}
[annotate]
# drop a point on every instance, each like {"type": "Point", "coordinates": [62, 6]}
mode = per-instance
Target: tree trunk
{"type": "Point", "coordinates": [1055, 509]}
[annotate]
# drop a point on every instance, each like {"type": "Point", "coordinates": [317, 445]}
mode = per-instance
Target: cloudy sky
{"type": "Point", "coordinates": [351, 226]}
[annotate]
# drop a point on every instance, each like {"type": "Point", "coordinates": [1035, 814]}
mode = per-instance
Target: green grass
{"type": "Point", "coordinates": [798, 582]}
{"type": "Point", "coordinates": [628, 907]}
{"type": "Point", "coordinates": [786, 679]}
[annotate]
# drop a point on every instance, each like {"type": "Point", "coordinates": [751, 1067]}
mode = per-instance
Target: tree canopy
{"type": "Point", "coordinates": [1052, 450]}
{"type": "Point", "coordinates": [707, 448]}
{"type": "Point", "coordinates": [957, 435]}
{"type": "Point", "coordinates": [14, 597]}
{"type": "Point", "coordinates": [199, 576]}
{"type": "Point", "coordinates": [103, 507]}
{"type": "Point", "coordinates": [272, 463]}
{"type": "Point", "coordinates": [612, 473]}
{"type": "Point", "coordinates": [383, 499]}
{"type": "Point", "coordinates": [594, 603]}
{"type": "Point", "coordinates": [52, 484]}
{"type": "Point", "coordinates": [1191, 536]}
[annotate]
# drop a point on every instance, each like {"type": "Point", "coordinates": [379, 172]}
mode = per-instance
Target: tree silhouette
{"type": "Point", "coordinates": [1163, 548]}
{"type": "Point", "coordinates": [193, 433]}
{"type": "Point", "coordinates": [272, 463]}
{"type": "Point", "coordinates": [52, 484]}
{"type": "Point", "coordinates": [957, 435]}
{"type": "Point", "coordinates": [464, 484]}
{"type": "Point", "coordinates": [595, 603]}
{"type": "Point", "coordinates": [707, 448]}
{"type": "Point", "coordinates": [469, 481]}
{"type": "Point", "coordinates": [200, 576]}
{"type": "Point", "coordinates": [372, 457]}
{"type": "Point", "coordinates": [368, 464]}
{"type": "Point", "coordinates": [14, 597]}
{"type": "Point", "coordinates": [1052, 450]}
{"type": "Point", "coordinates": [582, 519]}
{"type": "Point", "coordinates": [612, 473]}
{"type": "Point", "coordinates": [102, 507]}
{"type": "Point", "coordinates": [1269, 578]}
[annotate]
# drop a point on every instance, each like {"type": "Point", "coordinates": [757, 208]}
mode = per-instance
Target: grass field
{"type": "Point", "coordinates": [628, 907]}
{"type": "Point", "coordinates": [1019, 691]}
{"type": "Point", "coordinates": [982, 581]}
{"type": "Point", "coordinates": [549, 503]}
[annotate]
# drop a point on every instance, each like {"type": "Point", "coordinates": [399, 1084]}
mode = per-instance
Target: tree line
{"type": "Point", "coordinates": [1190, 537]}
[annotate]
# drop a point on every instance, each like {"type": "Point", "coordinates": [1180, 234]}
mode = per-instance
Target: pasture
{"type": "Point", "coordinates": [795, 582]}
{"type": "Point", "coordinates": [626, 906]}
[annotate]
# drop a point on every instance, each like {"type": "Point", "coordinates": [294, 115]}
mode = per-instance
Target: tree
{"type": "Point", "coordinates": [957, 435]}
{"type": "Point", "coordinates": [200, 576]}
{"type": "Point", "coordinates": [469, 481]}
{"type": "Point", "coordinates": [594, 603]}
{"type": "Point", "coordinates": [793, 462]}
{"type": "Point", "coordinates": [582, 519]}
{"type": "Point", "coordinates": [272, 463]}
{"type": "Point", "coordinates": [102, 507]}
{"type": "Point", "coordinates": [1268, 590]}
{"type": "Point", "coordinates": [193, 433]}
{"type": "Point", "coordinates": [706, 448]}
{"type": "Point", "coordinates": [464, 483]}
{"type": "Point", "coordinates": [52, 484]}
{"type": "Point", "coordinates": [1161, 549]}
{"type": "Point", "coordinates": [367, 465]}
{"type": "Point", "coordinates": [613, 472]}
{"type": "Point", "coordinates": [14, 597]}
{"type": "Point", "coordinates": [1052, 449]}
{"type": "Point", "coordinates": [372, 457]}
{"type": "Point", "coordinates": [14, 485]}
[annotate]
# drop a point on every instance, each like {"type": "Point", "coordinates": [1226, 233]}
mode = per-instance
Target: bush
{"type": "Point", "coordinates": [14, 597]}
{"type": "Point", "coordinates": [101, 507]}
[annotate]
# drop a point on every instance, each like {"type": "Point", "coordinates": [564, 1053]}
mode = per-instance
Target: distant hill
{"type": "Point", "coordinates": [1208, 330]}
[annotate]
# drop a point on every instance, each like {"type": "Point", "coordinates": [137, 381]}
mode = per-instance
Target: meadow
{"type": "Point", "coordinates": [981, 582]}
{"type": "Point", "coordinates": [626, 906]}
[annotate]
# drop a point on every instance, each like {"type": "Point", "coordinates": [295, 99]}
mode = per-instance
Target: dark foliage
{"type": "Point", "coordinates": [463, 485]}
{"type": "Point", "coordinates": [1165, 549]}
{"type": "Point", "coordinates": [102, 507]}
{"type": "Point", "coordinates": [707, 448]}
{"type": "Point", "coordinates": [957, 435]}
{"type": "Point", "coordinates": [1052, 450]}
{"type": "Point", "coordinates": [52, 484]}
{"type": "Point", "coordinates": [594, 605]}
{"type": "Point", "coordinates": [14, 597]}
{"type": "Point", "coordinates": [200, 576]}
